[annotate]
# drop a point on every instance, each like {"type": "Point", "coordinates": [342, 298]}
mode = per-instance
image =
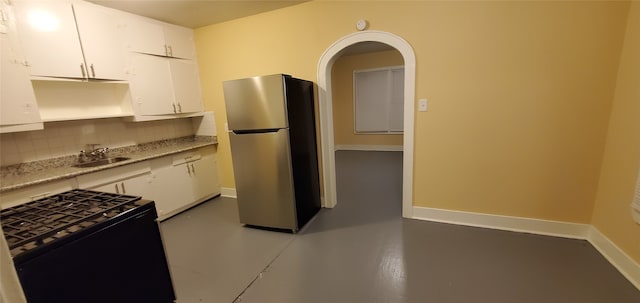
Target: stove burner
{"type": "Point", "coordinates": [44, 220]}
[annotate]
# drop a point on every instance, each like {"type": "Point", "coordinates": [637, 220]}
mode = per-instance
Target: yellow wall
{"type": "Point", "coordinates": [342, 83]}
{"type": "Point", "coordinates": [520, 92]}
{"type": "Point", "coordinates": [622, 154]}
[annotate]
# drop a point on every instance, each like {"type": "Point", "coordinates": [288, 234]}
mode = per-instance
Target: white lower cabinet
{"type": "Point", "coordinates": [171, 186]}
{"type": "Point", "coordinates": [134, 179]}
{"type": "Point", "coordinates": [174, 182]}
{"type": "Point", "coordinates": [204, 176]}
{"type": "Point", "coordinates": [183, 180]}
{"type": "Point", "coordinates": [135, 186]}
{"type": "Point", "coordinates": [23, 195]}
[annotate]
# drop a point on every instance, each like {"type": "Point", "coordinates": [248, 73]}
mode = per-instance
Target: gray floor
{"type": "Point", "coordinates": [363, 251]}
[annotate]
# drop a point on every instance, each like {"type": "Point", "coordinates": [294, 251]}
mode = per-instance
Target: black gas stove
{"type": "Point", "coordinates": [74, 233]}
{"type": "Point", "coordinates": [34, 225]}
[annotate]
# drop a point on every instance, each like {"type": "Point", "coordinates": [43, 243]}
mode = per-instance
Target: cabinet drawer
{"type": "Point", "coordinates": [113, 175]}
{"type": "Point", "coordinates": [185, 158]}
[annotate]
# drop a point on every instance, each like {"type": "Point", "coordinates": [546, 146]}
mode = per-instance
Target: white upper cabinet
{"type": "Point", "coordinates": [179, 40]}
{"type": "Point", "coordinates": [161, 86]}
{"type": "Point", "coordinates": [17, 100]}
{"type": "Point", "coordinates": [18, 107]}
{"type": "Point", "coordinates": [102, 42]}
{"type": "Point", "coordinates": [59, 43]}
{"type": "Point", "coordinates": [150, 85]}
{"type": "Point", "coordinates": [143, 37]}
{"type": "Point", "coordinates": [50, 39]}
{"type": "Point", "coordinates": [186, 85]}
{"type": "Point", "coordinates": [158, 39]}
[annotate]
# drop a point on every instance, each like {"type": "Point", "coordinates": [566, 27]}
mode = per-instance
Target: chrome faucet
{"type": "Point", "coordinates": [82, 157]}
{"type": "Point", "coordinates": [92, 153]}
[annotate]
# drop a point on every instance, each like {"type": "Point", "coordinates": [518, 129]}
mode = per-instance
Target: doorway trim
{"type": "Point", "coordinates": [325, 100]}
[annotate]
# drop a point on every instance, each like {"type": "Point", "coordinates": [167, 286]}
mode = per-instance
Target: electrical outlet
{"type": "Point", "coordinates": [422, 105]}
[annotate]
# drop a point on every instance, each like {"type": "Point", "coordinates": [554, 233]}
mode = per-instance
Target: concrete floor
{"type": "Point", "coordinates": [363, 251]}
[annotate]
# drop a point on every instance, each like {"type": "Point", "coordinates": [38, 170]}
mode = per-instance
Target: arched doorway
{"type": "Point", "coordinates": [326, 112]}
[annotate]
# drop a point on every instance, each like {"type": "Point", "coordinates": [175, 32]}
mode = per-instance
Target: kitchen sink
{"type": "Point", "coordinates": [101, 162]}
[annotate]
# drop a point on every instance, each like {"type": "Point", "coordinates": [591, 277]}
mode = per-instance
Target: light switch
{"type": "Point", "coordinates": [422, 105]}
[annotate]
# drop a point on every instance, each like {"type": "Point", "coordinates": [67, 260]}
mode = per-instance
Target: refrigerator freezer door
{"type": "Point", "coordinates": [256, 103]}
{"type": "Point", "coordinates": [264, 183]}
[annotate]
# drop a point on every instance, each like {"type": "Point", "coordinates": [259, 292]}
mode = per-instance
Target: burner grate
{"type": "Point", "coordinates": [45, 220]}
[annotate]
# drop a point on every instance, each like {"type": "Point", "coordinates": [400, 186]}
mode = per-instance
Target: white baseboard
{"type": "Point", "coordinates": [370, 147]}
{"type": "Point", "coordinates": [616, 256]}
{"type": "Point", "coordinates": [228, 192]}
{"type": "Point", "coordinates": [519, 224]}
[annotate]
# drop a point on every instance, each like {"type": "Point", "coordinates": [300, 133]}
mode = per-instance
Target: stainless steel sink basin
{"type": "Point", "coordinates": [101, 162]}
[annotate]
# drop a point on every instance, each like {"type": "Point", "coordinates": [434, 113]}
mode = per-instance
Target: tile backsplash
{"type": "Point", "coordinates": [69, 137]}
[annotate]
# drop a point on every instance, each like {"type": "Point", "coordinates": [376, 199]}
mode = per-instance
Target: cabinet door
{"type": "Point", "coordinates": [205, 177]}
{"type": "Point", "coordinates": [172, 188]}
{"type": "Point", "coordinates": [150, 85]}
{"type": "Point", "coordinates": [135, 186]}
{"type": "Point", "coordinates": [102, 44]}
{"type": "Point", "coordinates": [143, 37]}
{"type": "Point", "coordinates": [49, 37]}
{"type": "Point", "coordinates": [186, 85]}
{"type": "Point", "coordinates": [132, 179]}
{"type": "Point", "coordinates": [179, 40]}
{"type": "Point", "coordinates": [17, 100]}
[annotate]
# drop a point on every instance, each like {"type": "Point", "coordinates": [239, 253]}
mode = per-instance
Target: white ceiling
{"type": "Point", "coordinates": [196, 14]}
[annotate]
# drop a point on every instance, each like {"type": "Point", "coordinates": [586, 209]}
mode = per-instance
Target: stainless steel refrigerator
{"type": "Point", "coordinates": [273, 147]}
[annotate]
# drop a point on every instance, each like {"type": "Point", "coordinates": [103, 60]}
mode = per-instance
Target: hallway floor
{"type": "Point", "coordinates": [363, 251]}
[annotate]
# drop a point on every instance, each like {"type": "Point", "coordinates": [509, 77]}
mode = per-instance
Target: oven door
{"type": "Point", "coordinates": [121, 262]}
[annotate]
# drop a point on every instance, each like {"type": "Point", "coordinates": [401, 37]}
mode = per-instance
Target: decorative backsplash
{"type": "Point", "coordinates": [69, 137]}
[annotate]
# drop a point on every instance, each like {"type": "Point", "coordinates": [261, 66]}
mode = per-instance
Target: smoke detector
{"type": "Point", "coordinates": [361, 24]}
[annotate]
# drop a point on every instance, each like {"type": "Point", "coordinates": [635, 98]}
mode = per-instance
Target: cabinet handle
{"type": "Point", "coordinates": [170, 51]}
{"type": "Point", "coordinates": [117, 190]}
{"type": "Point", "coordinates": [193, 168]}
{"type": "Point", "coordinates": [124, 190]}
{"type": "Point", "coordinates": [188, 169]}
{"type": "Point", "coordinates": [93, 71]}
{"type": "Point", "coordinates": [166, 50]}
{"type": "Point", "coordinates": [84, 74]}
{"type": "Point", "coordinates": [179, 107]}
{"type": "Point", "coordinates": [174, 108]}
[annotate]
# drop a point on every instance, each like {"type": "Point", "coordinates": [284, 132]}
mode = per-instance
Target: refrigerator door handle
{"type": "Point", "coordinates": [256, 131]}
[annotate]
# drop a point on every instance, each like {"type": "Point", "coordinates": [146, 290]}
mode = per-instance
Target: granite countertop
{"type": "Point", "coordinates": [37, 172]}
